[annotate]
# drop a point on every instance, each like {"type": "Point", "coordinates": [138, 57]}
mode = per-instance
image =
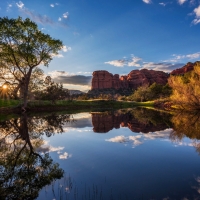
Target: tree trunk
{"type": "Point", "coordinates": [25, 89]}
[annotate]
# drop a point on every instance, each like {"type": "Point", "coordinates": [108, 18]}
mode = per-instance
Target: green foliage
{"type": "Point", "coordinates": [52, 91]}
{"type": "Point", "coordinates": [22, 48]}
{"type": "Point", "coordinates": [152, 92]}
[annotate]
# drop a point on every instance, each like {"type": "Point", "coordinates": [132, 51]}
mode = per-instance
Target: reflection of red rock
{"type": "Point", "coordinates": [188, 67]}
{"type": "Point", "coordinates": [103, 123]}
{"type": "Point", "coordinates": [105, 80]}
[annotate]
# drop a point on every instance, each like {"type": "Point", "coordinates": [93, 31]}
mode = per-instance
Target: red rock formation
{"type": "Point", "coordinates": [136, 78]}
{"type": "Point", "coordinates": [188, 67]}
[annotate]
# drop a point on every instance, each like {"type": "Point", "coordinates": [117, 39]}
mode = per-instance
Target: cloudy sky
{"type": "Point", "coordinates": [117, 36]}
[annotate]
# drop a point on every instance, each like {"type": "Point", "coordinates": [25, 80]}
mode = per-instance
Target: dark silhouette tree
{"type": "Point", "coordinates": [24, 171]}
{"type": "Point", "coordinates": [23, 47]}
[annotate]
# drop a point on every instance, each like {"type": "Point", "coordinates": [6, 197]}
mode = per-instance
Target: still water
{"type": "Point", "coordinates": [125, 154]}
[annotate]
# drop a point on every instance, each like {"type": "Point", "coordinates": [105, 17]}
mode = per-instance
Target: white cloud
{"type": "Point", "coordinates": [59, 19]}
{"type": "Point", "coordinates": [52, 5]}
{"type": "Point", "coordinates": [134, 62]}
{"type": "Point", "coordinates": [117, 63]}
{"type": "Point", "coordinates": [35, 16]}
{"type": "Point", "coordinates": [66, 48]}
{"type": "Point", "coordinates": [194, 55]}
{"type": "Point", "coordinates": [9, 7]}
{"type": "Point", "coordinates": [197, 12]}
{"type": "Point", "coordinates": [181, 1]}
{"type": "Point", "coordinates": [66, 15]}
{"type": "Point", "coordinates": [162, 4]}
{"type": "Point", "coordinates": [147, 1]}
{"type": "Point", "coordinates": [57, 55]}
{"type": "Point", "coordinates": [162, 66]}
{"type": "Point", "coordinates": [55, 74]}
{"type": "Point", "coordinates": [196, 21]}
{"type": "Point", "coordinates": [20, 4]}
{"type": "Point", "coordinates": [178, 58]}
{"type": "Point", "coordinates": [65, 156]}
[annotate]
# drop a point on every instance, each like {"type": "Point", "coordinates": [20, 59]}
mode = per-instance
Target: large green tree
{"type": "Point", "coordinates": [23, 47]}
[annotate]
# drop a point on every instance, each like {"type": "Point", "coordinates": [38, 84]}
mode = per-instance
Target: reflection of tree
{"type": "Point", "coordinates": [186, 124]}
{"type": "Point", "coordinates": [23, 171]}
{"type": "Point", "coordinates": [151, 117]}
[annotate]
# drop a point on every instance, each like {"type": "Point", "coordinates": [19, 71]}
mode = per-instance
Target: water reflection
{"type": "Point", "coordinates": [137, 120]}
{"type": "Point", "coordinates": [26, 165]}
{"type": "Point", "coordinates": [24, 170]}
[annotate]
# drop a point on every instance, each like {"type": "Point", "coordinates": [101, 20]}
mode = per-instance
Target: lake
{"type": "Point", "coordinates": [125, 154]}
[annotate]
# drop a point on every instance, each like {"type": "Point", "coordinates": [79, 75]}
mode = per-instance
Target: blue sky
{"type": "Point", "coordinates": [117, 36]}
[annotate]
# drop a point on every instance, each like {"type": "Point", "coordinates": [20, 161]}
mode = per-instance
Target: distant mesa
{"type": "Point", "coordinates": [74, 92]}
{"type": "Point", "coordinates": [187, 68]}
{"type": "Point", "coordinates": [102, 79]}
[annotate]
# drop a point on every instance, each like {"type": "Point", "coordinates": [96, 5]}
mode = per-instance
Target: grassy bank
{"type": "Point", "coordinates": [73, 105]}
{"type": "Point", "coordinates": [9, 103]}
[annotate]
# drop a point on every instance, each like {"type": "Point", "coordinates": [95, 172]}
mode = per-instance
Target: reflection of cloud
{"type": "Point", "coordinates": [197, 188]}
{"type": "Point", "coordinates": [140, 138]}
{"type": "Point", "coordinates": [46, 148]}
{"type": "Point", "coordinates": [135, 140]}
{"type": "Point", "coordinates": [81, 120]}
{"type": "Point", "coordinates": [65, 156]}
{"type": "Point", "coordinates": [118, 139]}
{"type": "Point", "coordinates": [158, 134]}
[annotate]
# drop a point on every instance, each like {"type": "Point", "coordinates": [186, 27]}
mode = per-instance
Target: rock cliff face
{"type": "Point", "coordinates": [188, 67]}
{"type": "Point", "coordinates": [105, 80]}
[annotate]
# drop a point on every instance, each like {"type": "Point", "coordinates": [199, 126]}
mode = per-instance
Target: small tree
{"type": "Point", "coordinates": [53, 91]}
{"type": "Point", "coordinates": [23, 47]}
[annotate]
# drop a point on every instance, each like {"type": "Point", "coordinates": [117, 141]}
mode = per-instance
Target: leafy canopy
{"type": "Point", "coordinates": [23, 46]}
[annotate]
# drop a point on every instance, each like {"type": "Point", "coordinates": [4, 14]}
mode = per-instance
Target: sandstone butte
{"type": "Point", "coordinates": [188, 67]}
{"type": "Point", "coordinates": [102, 79]}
